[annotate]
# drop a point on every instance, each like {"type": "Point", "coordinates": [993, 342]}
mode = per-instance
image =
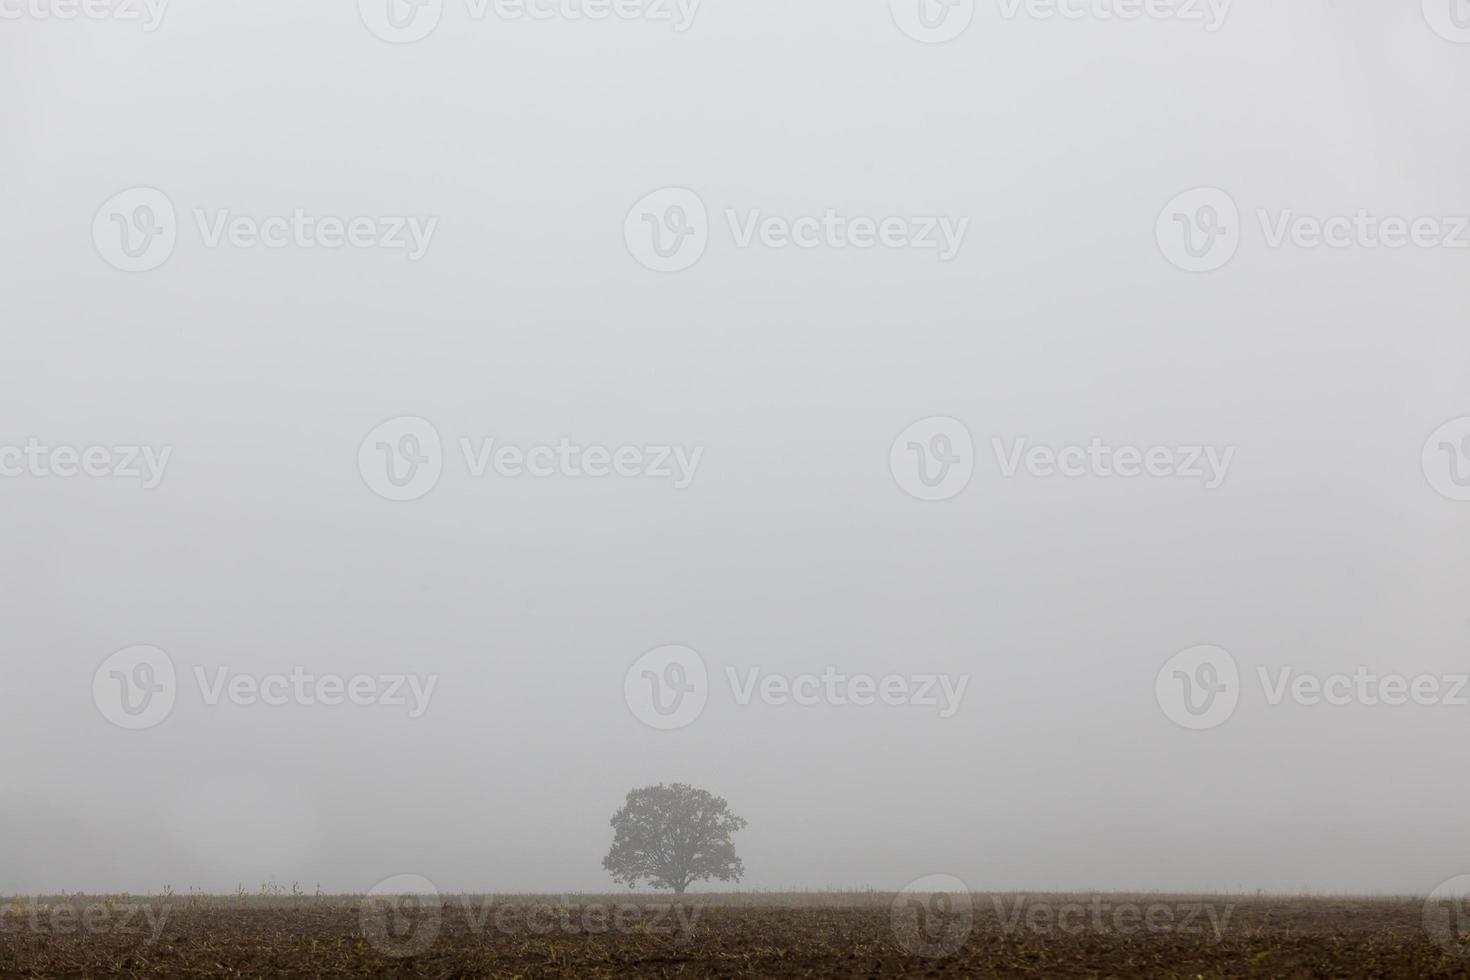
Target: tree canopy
{"type": "Point", "coordinates": [672, 836]}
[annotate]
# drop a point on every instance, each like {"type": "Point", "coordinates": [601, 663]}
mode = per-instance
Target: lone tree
{"type": "Point", "coordinates": [673, 836]}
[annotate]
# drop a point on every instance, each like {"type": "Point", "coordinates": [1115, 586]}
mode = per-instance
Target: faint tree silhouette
{"type": "Point", "coordinates": [672, 836]}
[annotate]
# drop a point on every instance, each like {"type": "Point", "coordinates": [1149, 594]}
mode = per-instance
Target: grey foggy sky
{"type": "Point", "coordinates": [528, 321]}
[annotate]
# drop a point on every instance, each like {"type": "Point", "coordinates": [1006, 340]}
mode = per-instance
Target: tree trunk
{"type": "Point", "coordinates": [679, 887]}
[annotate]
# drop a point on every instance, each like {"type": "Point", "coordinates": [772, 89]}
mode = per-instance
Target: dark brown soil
{"type": "Point", "coordinates": [714, 936]}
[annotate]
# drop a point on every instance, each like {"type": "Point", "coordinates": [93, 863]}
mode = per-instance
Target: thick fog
{"type": "Point", "coordinates": [387, 387]}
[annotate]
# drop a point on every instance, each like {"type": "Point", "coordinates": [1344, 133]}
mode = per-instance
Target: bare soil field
{"type": "Point", "coordinates": [749, 935]}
